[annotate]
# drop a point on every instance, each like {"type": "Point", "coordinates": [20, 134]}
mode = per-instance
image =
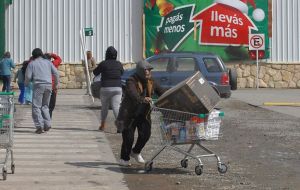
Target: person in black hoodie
{"type": "Point", "coordinates": [135, 112]}
{"type": "Point", "coordinates": [111, 71]}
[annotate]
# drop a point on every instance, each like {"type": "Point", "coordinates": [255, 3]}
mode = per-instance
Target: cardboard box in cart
{"type": "Point", "coordinates": [193, 95]}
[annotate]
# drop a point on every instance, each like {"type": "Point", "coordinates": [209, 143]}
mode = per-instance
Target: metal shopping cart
{"type": "Point", "coordinates": [7, 129]}
{"type": "Point", "coordinates": [183, 128]}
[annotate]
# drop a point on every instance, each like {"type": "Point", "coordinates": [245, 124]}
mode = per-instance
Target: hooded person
{"type": "Point", "coordinates": [111, 71]}
{"type": "Point", "coordinates": [135, 112]}
{"type": "Point", "coordinates": [56, 61]}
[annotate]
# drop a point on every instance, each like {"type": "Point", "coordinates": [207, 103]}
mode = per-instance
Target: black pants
{"type": "Point", "coordinates": [144, 132]}
{"type": "Point", "coordinates": [52, 102]}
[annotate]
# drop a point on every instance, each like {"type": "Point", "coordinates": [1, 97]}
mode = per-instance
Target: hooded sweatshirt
{"type": "Point", "coordinates": [110, 69]}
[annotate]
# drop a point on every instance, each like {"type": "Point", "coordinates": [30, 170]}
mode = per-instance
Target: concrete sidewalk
{"type": "Point", "coordinates": [257, 97]}
{"type": "Point", "coordinates": [72, 155]}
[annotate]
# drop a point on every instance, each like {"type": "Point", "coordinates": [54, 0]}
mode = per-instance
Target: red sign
{"type": "Point", "coordinates": [221, 24]}
{"type": "Point", "coordinates": [253, 54]}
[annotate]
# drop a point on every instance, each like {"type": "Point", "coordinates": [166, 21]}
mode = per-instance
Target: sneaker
{"type": "Point", "coordinates": [124, 163]}
{"type": "Point", "coordinates": [47, 128]}
{"type": "Point", "coordinates": [138, 157]}
{"type": "Point", "coordinates": [39, 130]}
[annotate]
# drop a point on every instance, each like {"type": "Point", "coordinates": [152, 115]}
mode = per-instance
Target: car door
{"type": "Point", "coordinates": [159, 72]}
{"type": "Point", "coordinates": [184, 67]}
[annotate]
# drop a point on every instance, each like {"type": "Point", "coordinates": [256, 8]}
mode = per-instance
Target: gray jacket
{"type": "Point", "coordinates": [40, 71]}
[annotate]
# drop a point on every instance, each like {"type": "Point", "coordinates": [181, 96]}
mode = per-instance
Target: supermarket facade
{"type": "Point", "coordinates": [141, 28]}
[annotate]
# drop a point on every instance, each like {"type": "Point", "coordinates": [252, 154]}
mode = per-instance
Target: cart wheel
{"type": "Point", "coordinates": [222, 168]}
{"type": "Point", "coordinates": [13, 168]}
{"type": "Point", "coordinates": [184, 163]}
{"type": "Point", "coordinates": [199, 170]}
{"type": "Point", "coordinates": [4, 174]}
{"type": "Point", "coordinates": [148, 166]}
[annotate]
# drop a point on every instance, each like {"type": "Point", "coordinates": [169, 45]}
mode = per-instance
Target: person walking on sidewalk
{"type": "Point", "coordinates": [20, 77]}
{"type": "Point", "coordinates": [28, 88]}
{"type": "Point", "coordinates": [6, 65]}
{"type": "Point", "coordinates": [91, 66]}
{"type": "Point", "coordinates": [135, 112]}
{"type": "Point", "coordinates": [111, 71]}
{"type": "Point", "coordinates": [56, 61]}
{"type": "Point", "coordinates": [40, 71]}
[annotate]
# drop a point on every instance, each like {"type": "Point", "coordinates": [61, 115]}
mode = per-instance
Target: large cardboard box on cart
{"type": "Point", "coordinates": [193, 95]}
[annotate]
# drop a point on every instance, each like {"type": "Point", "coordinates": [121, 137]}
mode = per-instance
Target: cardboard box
{"type": "Point", "coordinates": [193, 95]}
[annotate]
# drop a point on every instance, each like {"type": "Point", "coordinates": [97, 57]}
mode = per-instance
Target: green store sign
{"type": "Point", "coordinates": [176, 26]}
{"type": "Point", "coordinates": [219, 26]}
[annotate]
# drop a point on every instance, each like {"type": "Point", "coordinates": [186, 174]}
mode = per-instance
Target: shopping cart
{"type": "Point", "coordinates": [183, 128]}
{"type": "Point", "coordinates": [7, 129]}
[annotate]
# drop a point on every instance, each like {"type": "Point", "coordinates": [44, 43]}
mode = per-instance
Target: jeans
{"type": "Point", "coordinates": [22, 93]}
{"type": "Point", "coordinates": [110, 96]}
{"type": "Point", "coordinates": [6, 83]}
{"type": "Point", "coordinates": [40, 103]}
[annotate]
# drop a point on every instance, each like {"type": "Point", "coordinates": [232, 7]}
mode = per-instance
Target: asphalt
{"type": "Point", "coordinates": [75, 155]}
{"type": "Point", "coordinates": [257, 97]}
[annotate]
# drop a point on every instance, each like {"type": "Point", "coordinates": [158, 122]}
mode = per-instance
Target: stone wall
{"type": "Point", "coordinates": [270, 75]}
{"type": "Point", "coordinates": [71, 75]}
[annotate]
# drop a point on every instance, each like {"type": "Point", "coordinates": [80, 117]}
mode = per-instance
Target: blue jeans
{"type": "Point", "coordinates": [6, 83]}
{"type": "Point", "coordinates": [22, 93]}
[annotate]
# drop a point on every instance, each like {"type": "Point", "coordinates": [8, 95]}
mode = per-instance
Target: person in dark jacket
{"type": "Point", "coordinates": [135, 112]}
{"type": "Point", "coordinates": [111, 71]}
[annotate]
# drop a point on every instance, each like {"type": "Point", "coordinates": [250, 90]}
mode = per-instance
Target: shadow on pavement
{"type": "Point", "coordinates": [90, 164]}
{"type": "Point", "coordinates": [134, 169]}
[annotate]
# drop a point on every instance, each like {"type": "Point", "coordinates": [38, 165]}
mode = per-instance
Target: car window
{"type": "Point", "coordinates": [160, 64]}
{"type": "Point", "coordinates": [185, 64]}
{"type": "Point", "coordinates": [212, 65]}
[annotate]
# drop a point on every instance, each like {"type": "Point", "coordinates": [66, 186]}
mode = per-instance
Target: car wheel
{"type": "Point", "coordinates": [233, 78]}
